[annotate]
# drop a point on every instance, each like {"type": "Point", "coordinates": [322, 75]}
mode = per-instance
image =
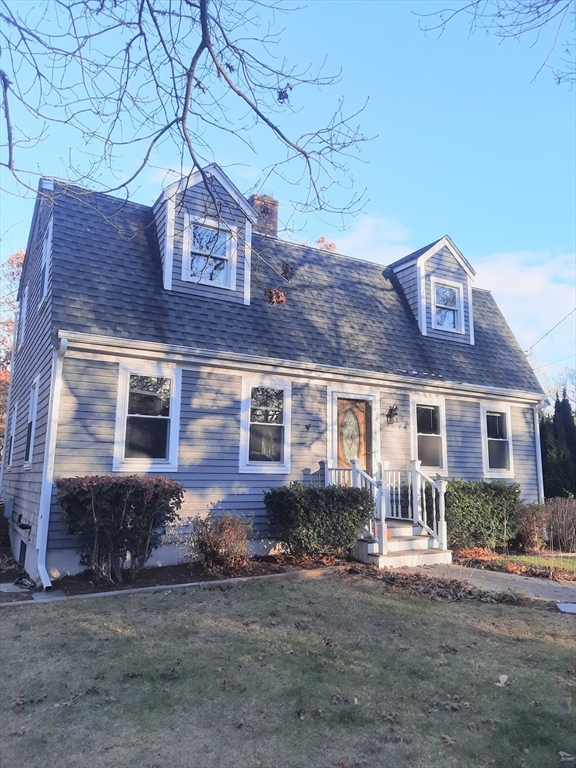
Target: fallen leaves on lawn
{"type": "Point", "coordinates": [566, 758]}
{"type": "Point", "coordinates": [502, 680]}
{"type": "Point", "coordinates": [447, 739]}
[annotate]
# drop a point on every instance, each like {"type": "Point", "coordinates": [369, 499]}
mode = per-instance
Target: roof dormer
{"type": "Point", "coordinates": [437, 283]}
{"type": "Point", "coordinates": [204, 226]}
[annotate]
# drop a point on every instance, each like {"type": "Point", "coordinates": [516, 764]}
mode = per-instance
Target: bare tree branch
{"type": "Point", "coordinates": [520, 18]}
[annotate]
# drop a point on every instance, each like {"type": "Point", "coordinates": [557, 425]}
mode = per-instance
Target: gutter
{"type": "Point", "coordinates": [49, 459]}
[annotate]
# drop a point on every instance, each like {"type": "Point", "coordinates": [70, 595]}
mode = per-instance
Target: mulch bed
{"type": "Point", "coordinates": [488, 561]}
{"type": "Point", "coordinates": [168, 575]}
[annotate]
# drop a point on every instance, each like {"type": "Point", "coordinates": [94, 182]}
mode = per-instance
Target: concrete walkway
{"type": "Point", "coordinates": [493, 581]}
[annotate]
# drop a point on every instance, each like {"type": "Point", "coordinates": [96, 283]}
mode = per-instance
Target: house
{"type": "Point", "coordinates": [156, 340]}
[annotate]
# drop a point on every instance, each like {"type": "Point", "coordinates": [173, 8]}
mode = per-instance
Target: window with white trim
{"type": "Point", "coordinates": [429, 432]}
{"type": "Point", "coordinates": [31, 424]}
{"type": "Point", "coordinates": [11, 438]}
{"type": "Point", "coordinates": [265, 426]}
{"type": "Point", "coordinates": [209, 253]}
{"type": "Point", "coordinates": [447, 306]}
{"type": "Point", "coordinates": [22, 317]}
{"type": "Point", "coordinates": [147, 419]}
{"type": "Point", "coordinates": [45, 266]}
{"type": "Point", "coordinates": [497, 440]}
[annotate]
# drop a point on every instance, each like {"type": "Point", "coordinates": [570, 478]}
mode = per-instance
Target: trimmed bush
{"type": "Point", "coordinates": [481, 514]}
{"type": "Point", "coordinates": [220, 541]}
{"type": "Point", "coordinates": [312, 520]}
{"type": "Point", "coordinates": [118, 518]}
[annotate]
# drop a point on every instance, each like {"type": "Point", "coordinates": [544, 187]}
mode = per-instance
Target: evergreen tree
{"type": "Point", "coordinates": [558, 445]}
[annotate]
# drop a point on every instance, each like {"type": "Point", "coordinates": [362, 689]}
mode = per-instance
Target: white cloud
{"type": "Point", "coordinates": [534, 290]}
{"type": "Point", "coordinates": [374, 239]}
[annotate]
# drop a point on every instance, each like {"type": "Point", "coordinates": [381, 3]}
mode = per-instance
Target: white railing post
{"type": "Point", "coordinates": [355, 473]}
{"type": "Point", "coordinates": [381, 516]}
{"type": "Point", "coordinates": [416, 491]}
{"type": "Point", "coordinates": [325, 472]}
{"type": "Point", "coordinates": [442, 529]}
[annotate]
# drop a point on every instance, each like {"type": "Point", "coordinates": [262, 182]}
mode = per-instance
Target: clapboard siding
{"type": "Point", "coordinates": [198, 203]}
{"type": "Point", "coordinates": [31, 361]}
{"type": "Point", "coordinates": [395, 438]}
{"type": "Point", "coordinates": [463, 439]}
{"type": "Point", "coordinates": [408, 280]}
{"type": "Point", "coordinates": [443, 266]}
{"type": "Point", "coordinates": [524, 451]}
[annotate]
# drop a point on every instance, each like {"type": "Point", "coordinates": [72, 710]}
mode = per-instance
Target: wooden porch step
{"type": "Point", "coordinates": [411, 558]}
{"type": "Point", "coordinates": [400, 543]}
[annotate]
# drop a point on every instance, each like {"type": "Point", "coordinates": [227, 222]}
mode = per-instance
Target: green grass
{"type": "Point", "coordinates": [544, 559]}
{"type": "Point", "coordinates": [330, 673]}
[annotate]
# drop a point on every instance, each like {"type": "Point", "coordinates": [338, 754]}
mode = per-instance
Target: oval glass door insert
{"type": "Point", "coordinates": [350, 436]}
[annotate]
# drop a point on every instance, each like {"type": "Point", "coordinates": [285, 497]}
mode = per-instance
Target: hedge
{"type": "Point", "coordinates": [481, 514]}
{"type": "Point", "coordinates": [312, 520]}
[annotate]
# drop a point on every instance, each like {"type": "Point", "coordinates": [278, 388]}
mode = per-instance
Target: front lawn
{"type": "Point", "coordinates": [548, 565]}
{"type": "Point", "coordinates": [330, 673]}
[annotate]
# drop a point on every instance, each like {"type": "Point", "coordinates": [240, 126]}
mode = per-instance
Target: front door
{"type": "Point", "coordinates": [355, 433]}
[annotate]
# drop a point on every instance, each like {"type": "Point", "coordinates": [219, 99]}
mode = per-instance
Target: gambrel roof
{"type": "Point", "coordinates": [340, 311]}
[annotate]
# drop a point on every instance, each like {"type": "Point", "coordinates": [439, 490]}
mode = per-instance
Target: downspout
{"type": "Point", "coordinates": [539, 474]}
{"type": "Point", "coordinates": [49, 457]}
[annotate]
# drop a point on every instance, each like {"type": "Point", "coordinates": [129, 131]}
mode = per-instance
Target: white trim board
{"type": "Point", "coordinates": [91, 345]}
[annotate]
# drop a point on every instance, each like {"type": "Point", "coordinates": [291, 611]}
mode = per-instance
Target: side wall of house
{"type": "Point", "coordinates": [209, 437]}
{"type": "Point", "coordinates": [31, 363]}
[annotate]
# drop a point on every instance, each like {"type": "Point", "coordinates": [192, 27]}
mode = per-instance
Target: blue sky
{"type": "Point", "coordinates": [466, 144]}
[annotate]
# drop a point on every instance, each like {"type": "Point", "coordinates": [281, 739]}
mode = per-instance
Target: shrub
{"type": "Point", "coordinates": [533, 522]}
{"type": "Point", "coordinates": [481, 514]}
{"type": "Point", "coordinates": [118, 518]}
{"type": "Point", "coordinates": [315, 520]}
{"type": "Point", "coordinates": [220, 541]}
{"type": "Point", "coordinates": [562, 523]}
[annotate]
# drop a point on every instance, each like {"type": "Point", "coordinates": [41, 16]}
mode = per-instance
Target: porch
{"type": "Point", "coordinates": [409, 527]}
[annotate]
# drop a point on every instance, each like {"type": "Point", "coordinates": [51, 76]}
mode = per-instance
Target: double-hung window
{"type": "Point", "coordinates": [11, 438]}
{"type": "Point", "coordinates": [22, 316]}
{"type": "Point", "coordinates": [147, 419]}
{"type": "Point", "coordinates": [429, 431]}
{"type": "Point", "coordinates": [447, 306]}
{"type": "Point", "coordinates": [265, 428]}
{"type": "Point", "coordinates": [209, 253]}
{"type": "Point", "coordinates": [496, 440]}
{"type": "Point", "coordinates": [31, 424]}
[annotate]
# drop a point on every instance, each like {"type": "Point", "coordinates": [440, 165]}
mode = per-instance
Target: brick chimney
{"type": "Point", "coordinates": [267, 209]}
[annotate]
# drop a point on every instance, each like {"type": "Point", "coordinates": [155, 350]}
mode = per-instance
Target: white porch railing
{"type": "Point", "coordinates": [400, 494]}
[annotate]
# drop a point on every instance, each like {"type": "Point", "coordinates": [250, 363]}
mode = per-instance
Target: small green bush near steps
{"type": "Point", "coordinates": [481, 514]}
{"type": "Point", "coordinates": [312, 520]}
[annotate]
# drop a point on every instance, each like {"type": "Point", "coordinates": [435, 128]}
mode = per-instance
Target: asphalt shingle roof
{"type": "Point", "coordinates": [343, 312]}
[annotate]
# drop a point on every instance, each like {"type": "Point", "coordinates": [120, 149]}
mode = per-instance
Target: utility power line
{"type": "Point", "coordinates": [552, 363]}
{"type": "Point", "coordinates": [550, 331]}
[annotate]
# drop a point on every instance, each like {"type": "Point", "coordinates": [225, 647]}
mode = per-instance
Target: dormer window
{"type": "Point", "coordinates": [209, 253]}
{"type": "Point", "coordinates": [448, 306]}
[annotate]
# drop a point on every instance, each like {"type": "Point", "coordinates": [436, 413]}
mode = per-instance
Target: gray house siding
{"type": "Point", "coordinates": [463, 439]}
{"type": "Point", "coordinates": [443, 266]}
{"type": "Point", "coordinates": [408, 279]}
{"type": "Point", "coordinates": [523, 446]}
{"type": "Point", "coordinates": [32, 360]}
{"type": "Point", "coordinates": [198, 203]}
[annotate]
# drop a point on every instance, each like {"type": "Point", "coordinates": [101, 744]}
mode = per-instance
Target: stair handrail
{"type": "Point", "coordinates": [441, 533]}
